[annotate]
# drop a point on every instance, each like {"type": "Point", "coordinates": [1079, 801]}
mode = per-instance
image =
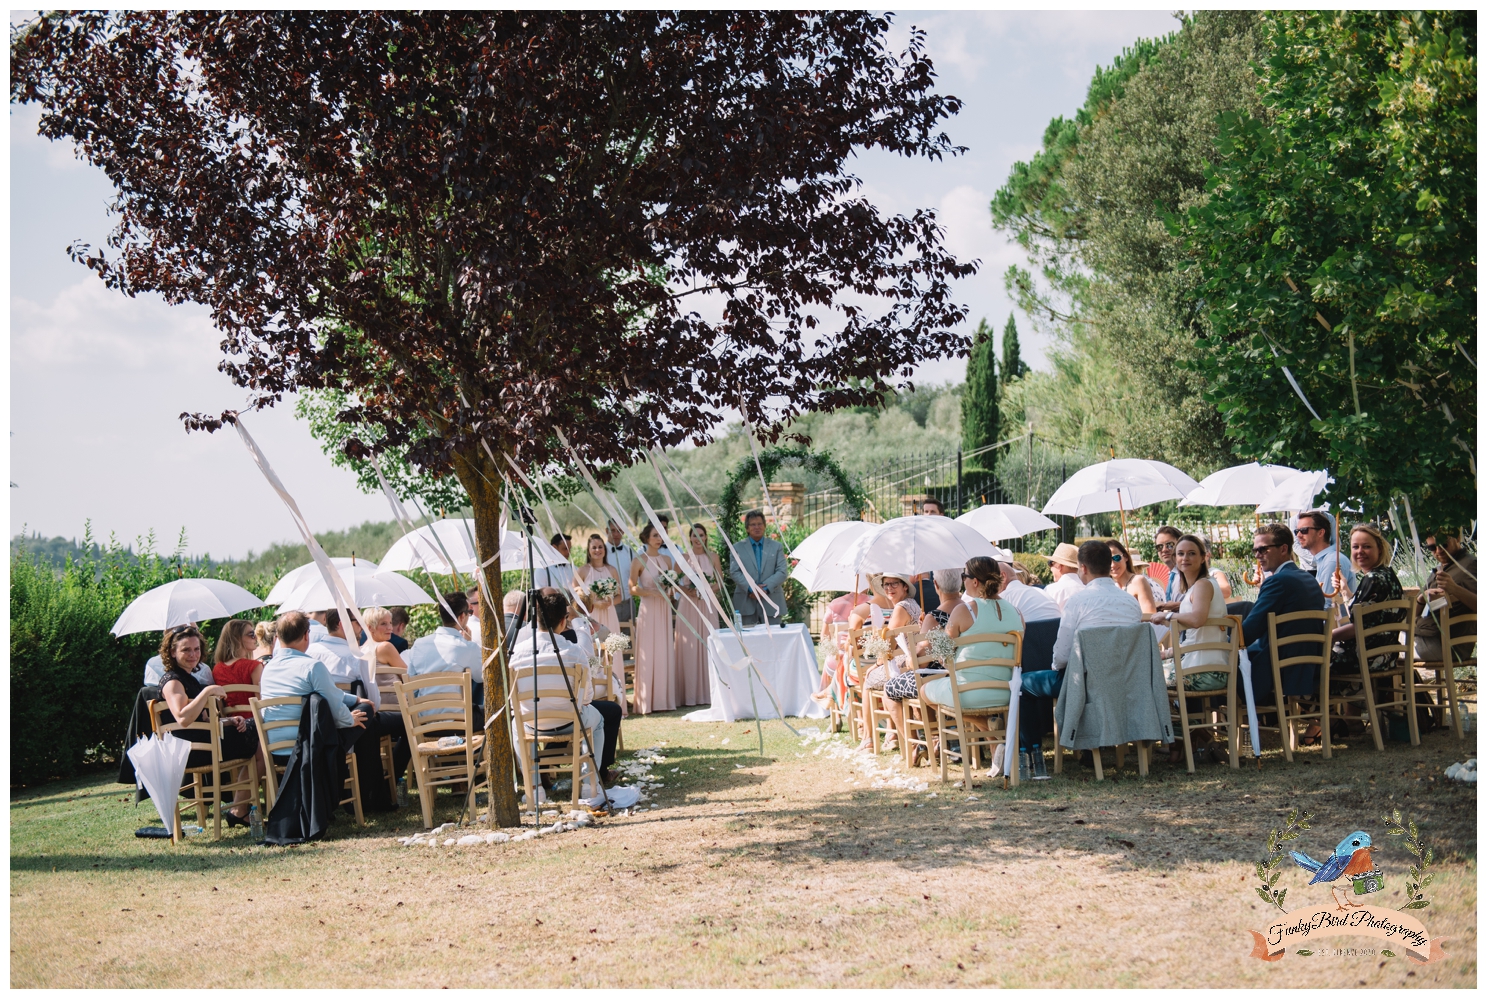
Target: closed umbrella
{"type": "Point", "coordinates": [1240, 485]}
{"type": "Point", "coordinates": [915, 545]}
{"type": "Point", "coordinates": [999, 521]}
{"type": "Point", "coordinates": [368, 587]}
{"type": "Point", "coordinates": [159, 765]}
{"type": "Point", "coordinates": [819, 567]}
{"type": "Point", "coordinates": [295, 578]}
{"type": "Point", "coordinates": [183, 601]}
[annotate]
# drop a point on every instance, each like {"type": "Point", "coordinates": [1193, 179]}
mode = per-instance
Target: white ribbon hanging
{"type": "Point", "coordinates": [401, 516]}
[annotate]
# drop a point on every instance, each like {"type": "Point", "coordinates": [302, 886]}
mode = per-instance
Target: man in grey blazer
{"type": "Point", "coordinates": [764, 558]}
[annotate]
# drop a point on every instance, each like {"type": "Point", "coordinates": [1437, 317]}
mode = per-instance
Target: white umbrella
{"type": "Point", "coordinates": [453, 537]}
{"type": "Point", "coordinates": [1294, 493]}
{"type": "Point", "coordinates": [1241, 485]}
{"type": "Point", "coordinates": [295, 578]}
{"type": "Point", "coordinates": [820, 556]}
{"type": "Point", "coordinates": [1119, 484]}
{"type": "Point", "coordinates": [368, 587]}
{"type": "Point", "coordinates": [915, 545]}
{"type": "Point", "coordinates": [160, 764]}
{"type": "Point", "coordinates": [999, 521]}
{"type": "Point", "coordinates": [183, 601]}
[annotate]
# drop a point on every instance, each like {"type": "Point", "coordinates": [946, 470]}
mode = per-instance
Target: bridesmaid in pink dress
{"type": "Point", "coordinates": [600, 611]}
{"type": "Point", "coordinates": [655, 648]}
{"type": "Point", "coordinates": [691, 649]}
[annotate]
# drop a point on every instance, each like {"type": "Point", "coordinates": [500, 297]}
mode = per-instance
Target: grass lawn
{"type": "Point", "coordinates": [789, 870]}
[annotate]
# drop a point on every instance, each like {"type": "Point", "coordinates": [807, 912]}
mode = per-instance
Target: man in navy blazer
{"type": "Point", "coordinates": [1287, 590]}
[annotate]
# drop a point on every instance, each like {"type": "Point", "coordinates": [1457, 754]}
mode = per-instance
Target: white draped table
{"type": "Point", "coordinates": [784, 657]}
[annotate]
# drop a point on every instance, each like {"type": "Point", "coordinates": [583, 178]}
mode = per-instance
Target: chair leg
{"type": "Point", "coordinates": [219, 803]}
{"type": "Point", "coordinates": [1120, 757]}
{"type": "Point", "coordinates": [390, 766]}
{"type": "Point", "coordinates": [1449, 669]}
{"type": "Point", "coordinates": [1230, 713]}
{"type": "Point", "coordinates": [1099, 764]}
{"type": "Point", "coordinates": [1187, 732]}
{"type": "Point", "coordinates": [1058, 750]}
{"type": "Point", "coordinates": [355, 789]}
{"type": "Point", "coordinates": [1371, 706]}
{"type": "Point", "coordinates": [1412, 712]}
{"type": "Point", "coordinates": [1143, 757]}
{"type": "Point", "coordinates": [425, 791]}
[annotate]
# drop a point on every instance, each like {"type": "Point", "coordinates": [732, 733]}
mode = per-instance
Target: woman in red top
{"type": "Point", "coordinates": [235, 662]}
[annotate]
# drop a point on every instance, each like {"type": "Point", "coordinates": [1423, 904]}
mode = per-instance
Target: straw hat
{"type": "Point", "coordinates": [1066, 555]}
{"type": "Point", "coordinates": [875, 581]}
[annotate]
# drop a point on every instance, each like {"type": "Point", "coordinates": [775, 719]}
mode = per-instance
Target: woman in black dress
{"type": "Point", "coordinates": [186, 698]}
{"type": "Point", "coordinates": [1376, 582]}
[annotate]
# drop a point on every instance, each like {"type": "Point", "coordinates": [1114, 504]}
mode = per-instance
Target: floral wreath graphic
{"type": "Point", "coordinates": [1353, 876]}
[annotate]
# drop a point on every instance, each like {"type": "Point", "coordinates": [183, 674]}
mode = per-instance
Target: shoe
{"type": "Point", "coordinates": [233, 820]}
{"type": "Point", "coordinates": [1040, 767]}
{"type": "Point", "coordinates": [1086, 758]}
{"type": "Point", "coordinates": [606, 776]}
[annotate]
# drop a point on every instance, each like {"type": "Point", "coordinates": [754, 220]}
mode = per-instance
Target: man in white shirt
{"type": "Point", "coordinates": [447, 650]}
{"type": "Point", "coordinates": [1100, 604]}
{"type": "Point", "coordinates": [1032, 603]}
{"type": "Point", "coordinates": [1066, 582]}
{"type": "Point", "coordinates": [559, 577]}
{"type": "Point", "coordinates": [548, 648]}
{"type": "Point", "coordinates": [318, 631]}
{"type": "Point", "coordinates": [333, 650]}
{"type": "Point", "coordinates": [620, 556]}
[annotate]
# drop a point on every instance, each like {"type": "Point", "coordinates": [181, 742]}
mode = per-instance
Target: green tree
{"type": "Point", "coordinates": [1013, 367]}
{"type": "Point", "coordinates": [1339, 239]}
{"type": "Point", "coordinates": [979, 412]}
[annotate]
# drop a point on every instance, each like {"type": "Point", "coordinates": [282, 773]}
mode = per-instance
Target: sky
{"type": "Point", "coordinates": [98, 380]}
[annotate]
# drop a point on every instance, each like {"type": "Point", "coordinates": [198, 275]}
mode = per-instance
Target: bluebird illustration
{"type": "Point", "coordinates": [1352, 857]}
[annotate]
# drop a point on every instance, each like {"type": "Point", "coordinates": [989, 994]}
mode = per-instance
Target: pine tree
{"type": "Point", "coordinates": [978, 403]}
{"type": "Point", "coordinates": [1012, 366]}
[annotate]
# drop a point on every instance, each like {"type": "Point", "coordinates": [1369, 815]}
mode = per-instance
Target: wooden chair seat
{"type": "Point", "coordinates": [428, 714]}
{"type": "Point", "coordinates": [433, 748]}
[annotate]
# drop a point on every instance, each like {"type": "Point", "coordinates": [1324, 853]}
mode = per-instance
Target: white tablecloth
{"type": "Point", "coordinates": [784, 656]}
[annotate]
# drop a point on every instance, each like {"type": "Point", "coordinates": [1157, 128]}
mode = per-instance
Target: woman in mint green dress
{"type": "Point", "coordinates": [982, 613]}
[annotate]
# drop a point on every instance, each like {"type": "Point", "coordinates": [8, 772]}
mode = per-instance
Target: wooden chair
{"type": "Point", "coordinates": [919, 715]}
{"type": "Point", "coordinates": [428, 714]}
{"type": "Point", "coordinates": [387, 700]}
{"type": "Point", "coordinates": [1228, 710]}
{"type": "Point", "coordinates": [1286, 718]}
{"type": "Point", "coordinates": [202, 796]}
{"type": "Point", "coordinates": [875, 702]}
{"type": "Point", "coordinates": [951, 720]}
{"type": "Point", "coordinates": [280, 736]}
{"type": "Point", "coordinates": [1143, 746]}
{"type": "Point", "coordinates": [838, 706]}
{"type": "Point", "coordinates": [238, 688]}
{"type": "Point", "coordinates": [1444, 682]}
{"type": "Point", "coordinates": [607, 687]}
{"type": "Point", "coordinates": [627, 659]}
{"type": "Point", "coordinates": [854, 670]}
{"type": "Point", "coordinates": [1396, 640]}
{"type": "Point", "coordinates": [550, 736]}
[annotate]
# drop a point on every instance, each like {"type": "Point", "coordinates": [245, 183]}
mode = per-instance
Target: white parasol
{"type": "Point", "coordinates": [295, 578]}
{"type": "Point", "coordinates": [368, 587]}
{"type": "Point", "coordinates": [1240, 485]}
{"type": "Point", "coordinates": [820, 555]}
{"type": "Point", "coordinates": [915, 545]}
{"type": "Point", "coordinates": [183, 601]}
{"type": "Point", "coordinates": [432, 541]}
{"type": "Point", "coordinates": [999, 521]}
{"type": "Point", "coordinates": [160, 765]}
{"type": "Point", "coordinates": [1294, 493]}
{"type": "Point", "coordinates": [1119, 484]}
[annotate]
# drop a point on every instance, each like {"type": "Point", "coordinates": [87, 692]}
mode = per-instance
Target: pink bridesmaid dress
{"type": "Point", "coordinates": [607, 616]}
{"type": "Point", "coordinates": [691, 642]}
{"type": "Point", "coordinates": [655, 648]}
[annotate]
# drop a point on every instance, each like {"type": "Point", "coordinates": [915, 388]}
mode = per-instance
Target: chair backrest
{"type": "Point", "coordinates": [854, 653]}
{"type": "Point", "coordinates": [209, 721]}
{"type": "Point", "coordinates": [961, 685]}
{"type": "Point", "coordinates": [1455, 636]}
{"type": "Point", "coordinates": [275, 736]}
{"type": "Point", "coordinates": [238, 688]}
{"type": "Point", "coordinates": [1318, 638]}
{"type": "Point", "coordinates": [554, 705]}
{"type": "Point", "coordinates": [1389, 637]}
{"type": "Point", "coordinates": [428, 709]}
{"type": "Point", "coordinates": [1229, 645]}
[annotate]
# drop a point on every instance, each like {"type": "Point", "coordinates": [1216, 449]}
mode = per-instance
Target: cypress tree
{"type": "Point", "coordinates": [978, 403]}
{"type": "Point", "coordinates": [1012, 366]}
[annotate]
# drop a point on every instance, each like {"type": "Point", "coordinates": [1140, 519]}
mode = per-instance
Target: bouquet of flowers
{"type": "Point", "coordinates": [603, 587]}
{"type": "Point", "coordinates": [941, 646]}
{"type": "Point", "coordinates": [617, 643]}
{"type": "Point", "coordinates": [873, 645]}
{"type": "Point", "coordinates": [669, 579]}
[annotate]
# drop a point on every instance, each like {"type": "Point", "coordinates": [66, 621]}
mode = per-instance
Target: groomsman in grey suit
{"type": "Point", "coordinates": [764, 558]}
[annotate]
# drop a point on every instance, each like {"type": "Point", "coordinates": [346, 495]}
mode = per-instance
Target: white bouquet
{"type": "Point", "coordinates": [617, 643]}
{"type": "Point", "coordinates": [669, 579]}
{"type": "Point", "coordinates": [941, 646]}
{"type": "Point", "coordinates": [603, 587]}
{"type": "Point", "coordinates": [874, 646]}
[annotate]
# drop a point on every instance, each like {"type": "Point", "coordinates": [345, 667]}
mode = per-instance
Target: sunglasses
{"type": "Point", "coordinates": [1306, 530]}
{"type": "Point", "coordinates": [1117, 558]}
{"type": "Point", "coordinates": [1262, 549]}
{"type": "Point", "coordinates": [1164, 545]}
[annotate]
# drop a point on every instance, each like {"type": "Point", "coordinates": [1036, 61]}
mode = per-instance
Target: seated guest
{"type": "Point", "coordinates": [155, 670]}
{"type": "Point", "coordinates": [1286, 590]}
{"type": "Point", "coordinates": [1456, 580]}
{"type": "Point", "coordinates": [294, 673]}
{"type": "Point", "coordinates": [1314, 535]}
{"type": "Point", "coordinates": [1165, 543]}
{"type": "Point", "coordinates": [1201, 601]}
{"type": "Point", "coordinates": [399, 627]}
{"type": "Point", "coordinates": [889, 591]}
{"type": "Point", "coordinates": [1032, 603]}
{"type": "Point", "coordinates": [472, 626]}
{"type": "Point", "coordinates": [1064, 563]}
{"type": "Point", "coordinates": [335, 651]}
{"type": "Point", "coordinates": [1123, 573]}
{"type": "Point", "coordinates": [263, 634]}
{"type": "Point", "coordinates": [235, 662]}
{"type": "Point", "coordinates": [389, 722]}
{"type": "Point", "coordinates": [317, 626]}
{"type": "Point", "coordinates": [549, 648]}
{"type": "Point", "coordinates": [904, 684]}
{"type": "Point", "coordinates": [1099, 604]}
{"type": "Point", "coordinates": [186, 698]}
{"type": "Point", "coordinates": [447, 650]}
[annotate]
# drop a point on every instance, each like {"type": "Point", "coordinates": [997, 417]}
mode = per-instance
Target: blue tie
{"type": "Point", "coordinates": [758, 559]}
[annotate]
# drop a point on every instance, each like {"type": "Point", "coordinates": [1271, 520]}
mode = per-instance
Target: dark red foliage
{"type": "Point", "coordinates": [488, 225]}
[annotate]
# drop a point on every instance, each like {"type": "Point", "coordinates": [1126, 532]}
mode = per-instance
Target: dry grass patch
{"type": "Point", "coordinates": [778, 873]}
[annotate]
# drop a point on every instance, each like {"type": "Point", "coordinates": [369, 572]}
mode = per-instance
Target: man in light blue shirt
{"type": "Point", "coordinates": [447, 650]}
{"type": "Point", "coordinates": [1314, 533]}
{"type": "Point", "coordinates": [293, 673]}
{"type": "Point", "coordinates": [335, 651]}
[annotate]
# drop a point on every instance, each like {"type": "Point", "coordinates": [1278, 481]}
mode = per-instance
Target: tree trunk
{"type": "Point", "coordinates": [482, 482]}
